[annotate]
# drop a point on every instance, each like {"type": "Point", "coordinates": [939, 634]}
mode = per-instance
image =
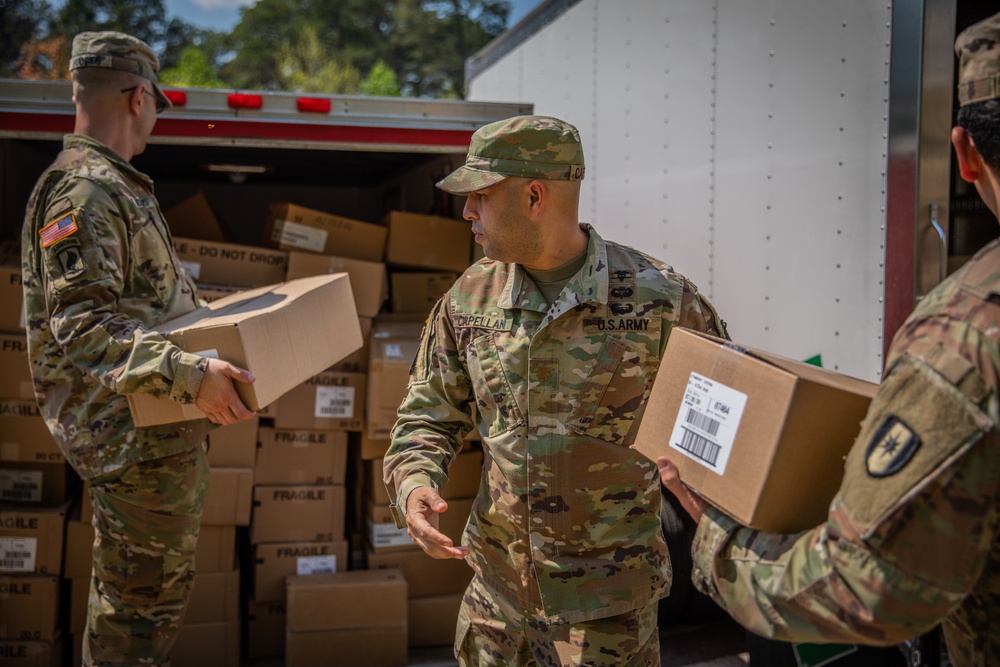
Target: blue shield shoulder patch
{"type": "Point", "coordinates": [891, 447]}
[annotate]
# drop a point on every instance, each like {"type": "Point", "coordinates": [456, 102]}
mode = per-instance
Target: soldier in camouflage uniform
{"type": "Point", "coordinates": [99, 271]}
{"type": "Point", "coordinates": [554, 338]}
{"type": "Point", "coordinates": [913, 536]}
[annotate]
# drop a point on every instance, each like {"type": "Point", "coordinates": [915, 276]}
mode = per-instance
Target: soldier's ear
{"type": "Point", "coordinates": [970, 162]}
{"type": "Point", "coordinates": [536, 194]}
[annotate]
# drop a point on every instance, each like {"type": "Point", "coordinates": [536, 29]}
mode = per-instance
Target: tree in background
{"type": "Point", "coordinates": [381, 82]}
{"type": "Point", "coordinates": [307, 66]}
{"type": "Point", "coordinates": [20, 23]}
{"type": "Point", "coordinates": [145, 19]}
{"type": "Point", "coordinates": [193, 70]}
{"type": "Point", "coordinates": [46, 60]}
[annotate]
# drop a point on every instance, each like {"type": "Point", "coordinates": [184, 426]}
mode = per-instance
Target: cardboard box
{"type": "Point", "coordinates": [273, 563]}
{"type": "Point", "coordinates": [231, 264]}
{"type": "Point", "coordinates": [31, 539]}
{"type": "Point", "coordinates": [79, 550]}
{"type": "Point", "coordinates": [464, 475]}
{"type": "Point", "coordinates": [228, 498]}
{"type": "Point", "coordinates": [215, 598]}
{"type": "Point", "coordinates": [210, 292]}
{"type": "Point", "coordinates": [357, 362]}
{"type": "Point", "coordinates": [42, 484]}
{"type": "Point", "coordinates": [368, 279]}
{"type": "Point", "coordinates": [30, 653]}
{"type": "Point", "coordinates": [281, 333]}
{"type": "Point", "coordinates": [265, 629]}
{"type": "Point", "coordinates": [329, 401]}
{"type": "Point", "coordinates": [371, 647]}
{"type": "Point", "coordinates": [15, 370]}
{"type": "Point", "coordinates": [428, 241]}
{"type": "Point", "coordinates": [24, 437]}
{"type": "Point", "coordinates": [318, 602]}
{"type": "Point", "coordinates": [234, 445]}
{"type": "Point", "coordinates": [298, 514]}
{"type": "Point", "coordinates": [216, 549]}
{"type": "Point", "coordinates": [417, 292]}
{"type": "Point", "coordinates": [207, 645]}
{"type": "Point", "coordinates": [394, 345]}
{"type": "Point", "coordinates": [432, 621]}
{"type": "Point", "coordinates": [78, 600]}
{"type": "Point", "coordinates": [370, 449]}
{"type": "Point", "coordinates": [194, 218]}
{"type": "Point", "coordinates": [29, 607]}
{"type": "Point", "coordinates": [384, 537]}
{"type": "Point", "coordinates": [11, 300]}
{"type": "Point", "coordinates": [292, 227]}
{"type": "Point", "coordinates": [425, 576]}
{"type": "Point", "coordinates": [301, 457]}
{"type": "Point", "coordinates": [760, 436]}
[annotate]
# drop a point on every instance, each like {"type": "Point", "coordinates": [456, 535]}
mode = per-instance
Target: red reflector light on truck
{"type": "Point", "coordinates": [314, 104]}
{"type": "Point", "coordinates": [177, 97]}
{"type": "Point", "coordinates": [244, 101]}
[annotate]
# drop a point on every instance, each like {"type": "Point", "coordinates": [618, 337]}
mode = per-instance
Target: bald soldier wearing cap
{"type": "Point", "coordinates": [554, 338]}
{"type": "Point", "coordinates": [913, 536]}
{"type": "Point", "coordinates": [99, 272]}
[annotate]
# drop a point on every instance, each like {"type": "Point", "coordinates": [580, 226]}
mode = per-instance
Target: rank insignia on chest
{"type": "Point", "coordinates": [891, 448]}
{"type": "Point", "coordinates": [58, 229]}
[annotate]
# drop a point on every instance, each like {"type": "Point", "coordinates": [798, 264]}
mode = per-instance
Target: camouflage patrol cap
{"type": "Point", "coordinates": [118, 51]}
{"type": "Point", "coordinates": [978, 51]}
{"type": "Point", "coordinates": [529, 146]}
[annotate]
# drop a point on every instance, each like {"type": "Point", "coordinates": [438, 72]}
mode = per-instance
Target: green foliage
{"type": "Point", "coordinates": [20, 20]}
{"type": "Point", "coordinates": [145, 19]}
{"type": "Point", "coordinates": [193, 70]}
{"type": "Point", "coordinates": [306, 66]}
{"type": "Point", "coordinates": [381, 82]}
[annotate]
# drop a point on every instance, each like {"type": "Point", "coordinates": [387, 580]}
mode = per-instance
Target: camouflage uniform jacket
{"type": "Point", "coordinates": [567, 516]}
{"type": "Point", "coordinates": [912, 537]}
{"type": "Point", "coordinates": [99, 270]}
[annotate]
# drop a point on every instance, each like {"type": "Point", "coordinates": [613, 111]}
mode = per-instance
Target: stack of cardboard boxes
{"type": "Point", "coordinates": [37, 487]}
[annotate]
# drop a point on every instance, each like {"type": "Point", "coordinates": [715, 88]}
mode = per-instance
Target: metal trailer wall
{"type": "Point", "coordinates": [742, 141]}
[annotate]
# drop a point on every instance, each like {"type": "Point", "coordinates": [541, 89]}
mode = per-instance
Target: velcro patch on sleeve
{"type": "Point", "coordinates": [58, 229]}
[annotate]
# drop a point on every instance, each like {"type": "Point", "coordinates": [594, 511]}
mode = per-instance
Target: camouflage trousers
{"type": "Point", "coordinates": [146, 520]}
{"type": "Point", "coordinates": [493, 631]}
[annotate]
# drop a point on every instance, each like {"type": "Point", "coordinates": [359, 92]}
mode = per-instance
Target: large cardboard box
{"type": "Point", "coordinates": [425, 576]}
{"type": "Point", "coordinates": [274, 562]}
{"type": "Point", "coordinates": [368, 279]}
{"type": "Point", "coordinates": [281, 333]}
{"type": "Point", "coordinates": [464, 475]}
{"type": "Point", "coordinates": [79, 550]}
{"type": "Point", "coordinates": [394, 345]}
{"type": "Point", "coordinates": [292, 227]}
{"type": "Point", "coordinates": [15, 371]}
{"type": "Point", "coordinates": [207, 645]}
{"type": "Point", "coordinates": [25, 437]}
{"type": "Point", "coordinates": [758, 435]}
{"type": "Point", "coordinates": [31, 653]}
{"type": "Point", "coordinates": [384, 537]}
{"type": "Point", "coordinates": [234, 445]}
{"type": "Point", "coordinates": [432, 621]}
{"type": "Point", "coordinates": [318, 602]}
{"type": "Point", "coordinates": [329, 401]}
{"type": "Point", "coordinates": [215, 598]}
{"type": "Point", "coordinates": [231, 264]}
{"type": "Point", "coordinates": [30, 607]}
{"type": "Point", "coordinates": [31, 540]}
{"type": "Point", "coordinates": [194, 218]}
{"type": "Point", "coordinates": [428, 241]}
{"type": "Point", "coordinates": [228, 497]}
{"type": "Point", "coordinates": [417, 291]}
{"type": "Point", "coordinates": [357, 362]}
{"type": "Point", "coordinates": [265, 629]}
{"type": "Point", "coordinates": [371, 647]}
{"type": "Point", "coordinates": [301, 457]}
{"type": "Point", "coordinates": [11, 300]}
{"type": "Point", "coordinates": [370, 449]}
{"type": "Point", "coordinates": [41, 484]}
{"type": "Point", "coordinates": [298, 514]}
{"type": "Point", "coordinates": [78, 600]}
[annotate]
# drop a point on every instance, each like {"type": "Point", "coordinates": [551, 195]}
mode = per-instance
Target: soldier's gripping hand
{"type": "Point", "coordinates": [217, 396]}
{"type": "Point", "coordinates": [423, 508]}
{"type": "Point", "coordinates": [671, 478]}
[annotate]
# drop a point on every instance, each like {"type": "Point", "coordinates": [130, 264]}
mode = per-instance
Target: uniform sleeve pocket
{"type": "Point", "coordinates": [613, 393]}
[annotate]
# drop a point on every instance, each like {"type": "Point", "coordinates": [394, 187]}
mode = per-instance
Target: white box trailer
{"type": "Point", "coordinates": [789, 156]}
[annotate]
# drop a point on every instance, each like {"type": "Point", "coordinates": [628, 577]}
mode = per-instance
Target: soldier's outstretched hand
{"type": "Point", "coordinates": [217, 396]}
{"type": "Point", "coordinates": [423, 508]}
{"type": "Point", "coordinates": [671, 478]}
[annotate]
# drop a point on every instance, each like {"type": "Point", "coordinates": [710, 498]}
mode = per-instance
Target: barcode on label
{"type": "Point", "coordinates": [334, 402]}
{"type": "Point", "coordinates": [699, 446]}
{"type": "Point", "coordinates": [11, 564]}
{"type": "Point", "coordinates": [337, 409]}
{"type": "Point", "coordinates": [702, 421]}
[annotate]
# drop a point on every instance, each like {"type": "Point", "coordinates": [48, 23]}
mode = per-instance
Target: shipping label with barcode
{"type": "Point", "coordinates": [316, 565]}
{"type": "Point", "coordinates": [17, 554]}
{"type": "Point", "coordinates": [334, 402]}
{"type": "Point", "coordinates": [387, 535]}
{"type": "Point", "coordinates": [21, 485]}
{"type": "Point", "coordinates": [707, 421]}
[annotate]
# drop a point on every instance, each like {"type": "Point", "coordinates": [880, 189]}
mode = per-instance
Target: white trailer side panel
{"type": "Point", "coordinates": [744, 142]}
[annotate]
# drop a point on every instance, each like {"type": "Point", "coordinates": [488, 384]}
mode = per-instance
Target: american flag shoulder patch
{"type": "Point", "coordinates": [58, 229]}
